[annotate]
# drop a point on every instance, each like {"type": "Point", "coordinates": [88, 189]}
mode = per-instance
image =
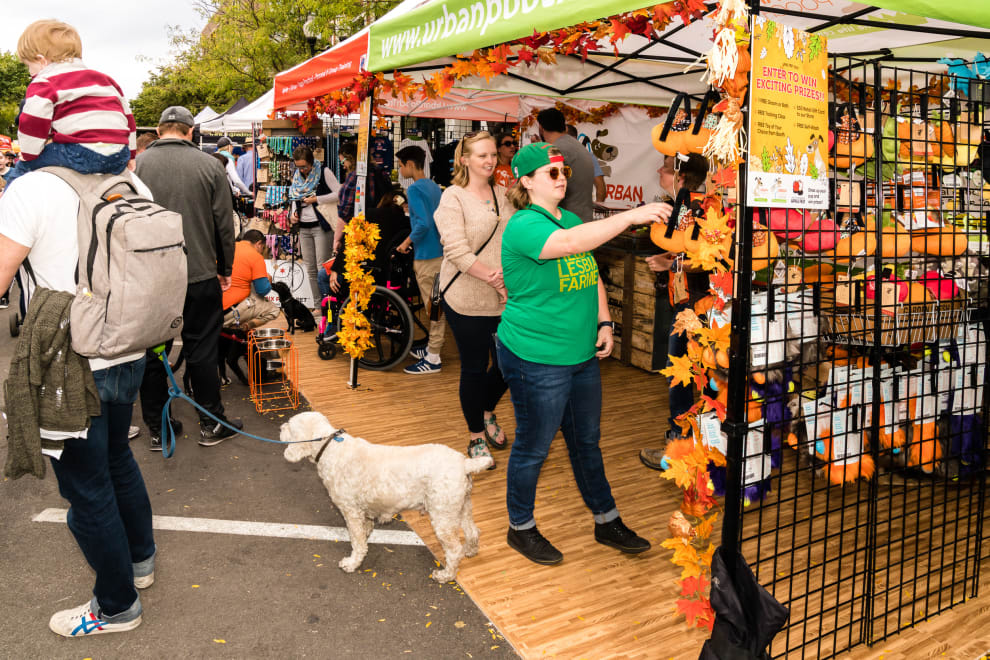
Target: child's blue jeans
{"type": "Point", "coordinates": [76, 157]}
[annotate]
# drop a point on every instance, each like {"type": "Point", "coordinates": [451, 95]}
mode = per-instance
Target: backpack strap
{"type": "Point", "coordinates": [98, 184]}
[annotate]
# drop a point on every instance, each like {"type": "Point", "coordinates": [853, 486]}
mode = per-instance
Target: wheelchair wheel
{"type": "Point", "coordinates": [15, 324]}
{"type": "Point", "coordinates": [391, 330]}
{"type": "Point", "coordinates": [326, 351]}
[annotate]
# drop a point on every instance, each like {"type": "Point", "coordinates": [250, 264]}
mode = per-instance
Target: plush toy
{"type": "Point", "coordinates": [852, 144]}
{"type": "Point", "coordinates": [682, 131]}
{"type": "Point", "coordinates": [940, 242]}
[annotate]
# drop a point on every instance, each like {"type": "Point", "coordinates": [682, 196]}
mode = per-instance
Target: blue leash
{"type": "Point", "coordinates": [175, 392]}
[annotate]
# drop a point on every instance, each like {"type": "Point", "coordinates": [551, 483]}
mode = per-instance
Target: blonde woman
{"type": "Point", "coordinates": [470, 218]}
{"type": "Point", "coordinates": [555, 328]}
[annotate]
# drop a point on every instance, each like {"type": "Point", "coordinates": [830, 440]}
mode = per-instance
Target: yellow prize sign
{"type": "Point", "coordinates": [788, 118]}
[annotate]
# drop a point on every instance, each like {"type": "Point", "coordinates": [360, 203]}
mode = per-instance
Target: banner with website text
{"type": "Point", "coordinates": [621, 145]}
{"type": "Point", "coordinates": [443, 28]}
{"type": "Point", "coordinates": [788, 118]}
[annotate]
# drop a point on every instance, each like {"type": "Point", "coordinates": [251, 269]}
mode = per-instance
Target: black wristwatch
{"type": "Point", "coordinates": [606, 324]}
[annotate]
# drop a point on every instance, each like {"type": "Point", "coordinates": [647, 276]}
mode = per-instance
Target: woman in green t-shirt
{"type": "Point", "coordinates": [554, 329]}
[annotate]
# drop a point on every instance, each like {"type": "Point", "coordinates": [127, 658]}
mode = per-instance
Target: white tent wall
{"type": "Point", "coordinates": [628, 161]}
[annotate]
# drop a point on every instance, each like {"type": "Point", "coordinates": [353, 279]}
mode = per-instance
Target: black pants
{"type": "Point", "coordinates": [202, 319]}
{"type": "Point", "coordinates": [481, 380]}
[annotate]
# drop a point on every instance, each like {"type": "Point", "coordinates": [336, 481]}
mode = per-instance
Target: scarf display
{"type": "Point", "coordinates": [302, 188]}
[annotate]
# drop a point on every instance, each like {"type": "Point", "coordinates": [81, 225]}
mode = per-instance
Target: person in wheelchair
{"type": "Point", "coordinates": [393, 225]}
{"type": "Point", "coordinates": [244, 303]}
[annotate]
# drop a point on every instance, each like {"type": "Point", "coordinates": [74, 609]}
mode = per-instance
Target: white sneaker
{"type": "Point", "coordinates": [133, 432]}
{"type": "Point", "coordinates": [86, 620]}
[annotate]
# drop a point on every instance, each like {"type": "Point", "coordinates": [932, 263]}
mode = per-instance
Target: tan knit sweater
{"type": "Point", "coordinates": [464, 223]}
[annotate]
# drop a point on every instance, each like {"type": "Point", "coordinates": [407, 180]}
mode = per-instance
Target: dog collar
{"type": "Point", "coordinates": [336, 436]}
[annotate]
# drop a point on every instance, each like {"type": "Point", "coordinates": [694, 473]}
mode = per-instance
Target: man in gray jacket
{"type": "Point", "coordinates": [186, 180]}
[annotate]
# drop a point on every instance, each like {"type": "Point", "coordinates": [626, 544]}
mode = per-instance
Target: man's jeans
{"type": "Point", "coordinates": [110, 513]}
{"type": "Point", "coordinates": [546, 398]}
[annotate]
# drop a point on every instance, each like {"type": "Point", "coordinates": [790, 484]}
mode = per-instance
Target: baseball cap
{"type": "Point", "coordinates": [178, 114]}
{"type": "Point", "coordinates": [223, 142]}
{"type": "Point", "coordinates": [531, 158]}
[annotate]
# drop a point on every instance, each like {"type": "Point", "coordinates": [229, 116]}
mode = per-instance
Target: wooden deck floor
{"type": "Point", "coordinates": [598, 603]}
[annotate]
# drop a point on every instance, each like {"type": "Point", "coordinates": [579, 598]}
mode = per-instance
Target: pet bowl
{"type": "Point", "coordinates": [268, 333]}
{"type": "Point", "coordinates": [274, 344]}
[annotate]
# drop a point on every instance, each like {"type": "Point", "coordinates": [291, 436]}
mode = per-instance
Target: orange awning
{"type": "Point", "coordinates": [329, 71]}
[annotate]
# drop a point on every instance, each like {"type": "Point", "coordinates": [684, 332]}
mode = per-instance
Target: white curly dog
{"type": "Point", "coordinates": [369, 482]}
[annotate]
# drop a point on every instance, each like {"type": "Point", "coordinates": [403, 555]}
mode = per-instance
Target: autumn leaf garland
{"type": "Point", "coordinates": [578, 40]}
{"type": "Point", "coordinates": [360, 239]}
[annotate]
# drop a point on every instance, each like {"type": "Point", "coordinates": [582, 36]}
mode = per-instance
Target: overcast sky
{"type": "Point", "coordinates": [117, 35]}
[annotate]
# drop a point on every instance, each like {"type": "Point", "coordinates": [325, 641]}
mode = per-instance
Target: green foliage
{"type": "Point", "coordinates": [815, 46]}
{"type": "Point", "coordinates": [244, 44]}
{"type": "Point", "coordinates": [770, 29]}
{"type": "Point", "coordinates": [813, 171]}
{"type": "Point", "coordinates": [14, 80]}
{"type": "Point", "coordinates": [765, 158]}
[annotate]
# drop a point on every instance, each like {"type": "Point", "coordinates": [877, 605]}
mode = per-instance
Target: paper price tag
{"type": "Point", "coordinates": [262, 175]}
{"type": "Point", "coordinates": [711, 432]}
{"type": "Point", "coordinates": [262, 150]}
{"type": "Point", "coordinates": [756, 467]}
{"type": "Point", "coordinates": [318, 154]}
{"type": "Point", "coordinates": [677, 288]}
{"type": "Point", "coordinates": [840, 440]}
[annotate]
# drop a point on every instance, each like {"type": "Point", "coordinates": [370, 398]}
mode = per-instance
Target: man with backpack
{"type": "Point", "coordinates": [186, 180]}
{"type": "Point", "coordinates": [82, 423]}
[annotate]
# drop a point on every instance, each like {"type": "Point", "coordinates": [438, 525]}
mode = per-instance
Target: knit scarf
{"type": "Point", "coordinates": [302, 188]}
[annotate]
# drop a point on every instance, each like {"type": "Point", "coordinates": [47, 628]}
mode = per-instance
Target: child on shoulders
{"type": "Point", "coordinates": [73, 116]}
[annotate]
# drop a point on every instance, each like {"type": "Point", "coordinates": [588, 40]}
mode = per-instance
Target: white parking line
{"type": "Point", "coordinates": [248, 528]}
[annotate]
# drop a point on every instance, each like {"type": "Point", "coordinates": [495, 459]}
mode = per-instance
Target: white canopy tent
{"type": "Point", "coordinates": [242, 120]}
{"type": "Point", "coordinates": [206, 114]}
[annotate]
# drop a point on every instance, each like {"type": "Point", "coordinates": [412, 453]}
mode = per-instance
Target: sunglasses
{"type": "Point", "coordinates": [509, 143]}
{"type": "Point", "coordinates": [555, 172]}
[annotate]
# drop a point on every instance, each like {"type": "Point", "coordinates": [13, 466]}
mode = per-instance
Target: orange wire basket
{"type": "Point", "coordinates": [273, 370]}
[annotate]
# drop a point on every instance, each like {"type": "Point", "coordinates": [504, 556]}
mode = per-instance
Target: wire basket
{"type": "Point", "coordinates": [904, 323]}
{"type": "Point", "coordinates": [273, 370]}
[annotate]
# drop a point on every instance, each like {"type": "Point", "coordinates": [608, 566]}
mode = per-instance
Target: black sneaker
{"type": "Point", "coordinates": [214, 435]}
{"type": "Point", "coordinates": [155, 444]}
{"type": "Point", "coordinates": [533, 546]}
{"type": "Point", "coordinates": [615, 534]}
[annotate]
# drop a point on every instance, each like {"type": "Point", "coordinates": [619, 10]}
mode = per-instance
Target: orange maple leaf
{"type": "Point", "coordinates": [706, 556]}
{"type": "Point", "coordinates": [619, 31]}
{"type": "Point", "coordinates": [694, 585]}
{"type": "Point", "coordinates": [679, 448]}
{"type": "Point", "coordinates": [699, 613]}
{"type": "Point", "coordinates": [483, 69]}
{"type": "Point", "coordinates": [705, 528]}
{"type": "Point", "coordinates": [679, 472]}
{"type": "Point", "coordinates": [461, 68]}
{"type": "Point", "coordinates": [682, 370]}
{"type": "Point", "coordinates": [719, 338]}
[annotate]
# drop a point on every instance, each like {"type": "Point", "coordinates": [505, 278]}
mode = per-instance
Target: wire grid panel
{"type": "Point", "coordinates": [273, 373]}
{"type": "Point", "coordinates": [863, 468]}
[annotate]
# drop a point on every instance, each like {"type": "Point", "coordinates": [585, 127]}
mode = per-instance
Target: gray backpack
{"type": "Point", "coordinates": [131, 276]}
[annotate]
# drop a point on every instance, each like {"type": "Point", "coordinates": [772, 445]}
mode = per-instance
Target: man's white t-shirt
{"type": "Point", "coordinates": [40, 211]}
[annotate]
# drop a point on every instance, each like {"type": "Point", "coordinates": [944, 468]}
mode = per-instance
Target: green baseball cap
{"type": "Point", "coordinates": [531, 158]}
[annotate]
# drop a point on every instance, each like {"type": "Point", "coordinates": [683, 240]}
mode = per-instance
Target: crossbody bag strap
{"type": "Point", "coordinates": [498, 219]}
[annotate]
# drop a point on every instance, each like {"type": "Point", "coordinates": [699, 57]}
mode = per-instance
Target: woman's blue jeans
{"type": "Point", "coordinates": [109, 512]}
{"type": "Point", "coordinates": [547, 398]}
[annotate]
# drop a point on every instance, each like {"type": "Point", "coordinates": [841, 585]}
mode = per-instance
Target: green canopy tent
{"type": "Point", "coordinates": [652, 72]}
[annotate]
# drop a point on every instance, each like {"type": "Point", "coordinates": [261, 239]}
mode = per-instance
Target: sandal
{"type": "Point", "coordinates": [492, 442]}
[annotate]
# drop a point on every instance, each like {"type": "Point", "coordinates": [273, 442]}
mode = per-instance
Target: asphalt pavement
{"type": "Point", "coordinates": [219, 595]}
